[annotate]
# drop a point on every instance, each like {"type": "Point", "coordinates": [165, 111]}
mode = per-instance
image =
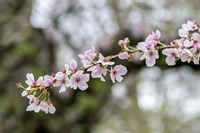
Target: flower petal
{"type": "Point", "coordinates": [120, 69]}
{"type": "Point", "coordinates": [73, 65]}
{"type": "Point", "coordinates": [183, 33]}
{"type": "Point", "coordinates": [170, 60]}
{"type": "Point", "coordinates": [63, 88]}
{"type": "Point", "coordinates": [82, 86]}
{"type": "Point", "coordinates": [150, 61]}
{"type": "Point", "coordinates": [85, 77]}
{"type": "Point", "coordinates": [119, 78]}
{"type": "Point", "coordinates": [52, 109]}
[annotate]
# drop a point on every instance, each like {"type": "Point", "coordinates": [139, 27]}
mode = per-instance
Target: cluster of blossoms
{"type": "Point", "coordinates": [38, 91]}
{"type": "Point", "coordinates": [187, 48]}
{"type": "Point", "coordinates": [95, 65]}
{"type": "Point", "coordinates": [149, 48]}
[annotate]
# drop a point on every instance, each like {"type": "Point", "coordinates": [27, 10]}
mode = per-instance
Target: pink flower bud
{"type": "Point", "coordinates": [124, 42]}
{"type": "Point", "coordinates": [123, 56]}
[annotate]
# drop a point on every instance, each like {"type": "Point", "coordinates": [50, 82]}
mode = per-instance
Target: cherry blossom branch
{"type": "Point", "coordinates": [95, 65]}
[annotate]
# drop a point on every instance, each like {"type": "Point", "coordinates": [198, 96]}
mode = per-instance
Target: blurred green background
{"type": "Point", "coordinates": [40, 36]}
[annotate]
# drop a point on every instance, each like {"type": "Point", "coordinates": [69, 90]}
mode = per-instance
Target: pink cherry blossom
{"type": "Point", "coordinates": [124, 42]}
{"type": "Point", "coordinates": [98, 72]}
{"type": "Point", "coordinates": [88, 57]}
{"type": "Point", "coordinates": [123, 55]}
{"type": "Point", "coordinates": [104, 61]}
{"type": "Point", "coordinates": [150, 41]}
{"type": "Point", "coordinates": [183, 33]}
{"type": "Point", "coordinates": [33, 104]}
{"type": "Point", "coordinates": [79, 80]}
{"type": "Point", "coordinates": [117, 72]}
{"type": "Point", "coordinates": [196, 37]}
{"type": "Point", "coordinates": [190, 26]}
{"type": "Point", "coordinates": [58, 79]}
{"type": "Point", "coordinates": [184, 49]}
{"type": "Point", "coordinates": [150, 44]}
{"type": "Point", "coordinates": [154, 37]}
{"type": "Point", "coordinates": [185, 57]}
{"type": "Point", "coordinates": [62, 80]}
{"type": "Point", "coordinates": [185, 44]}
{"type": "Point", "coordinates": [150, 54]}
{"type": "Point", "coordinates": [48, 80]}
{"type": "Point", "coordinates": [47, 107]}
{"type": "Point", "coordinates": [31, 81]}
{"type": "Point", "coordinates": [172, 54]}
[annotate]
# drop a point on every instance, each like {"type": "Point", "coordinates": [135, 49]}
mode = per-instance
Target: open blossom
{"type": "Point", "coordinates": [47, 107]}
{"type": "Point", "coordinates": [98, 72]}
{"type": "Point", "coordinates": [184, 43]}
{"type": "Point", "coordinates": [79, 80]}
{"type": "Point", "coordinates": [196, 37]}
{"type": "Point", "coordinates": [151, 40]}
{"type": "Point", "coordinates": [104, 61]}
{"type": "Point", "coordinates": [184, 49]}
{"type": "Point", "coordinates": [124, 42]}
{"type": "Point", "coordinates": [31, 81]}
{"type": "Point", "coordinates": [88, 57]}
{"type": "Point", "coordinates": [62, 80]}
{"type": "Point", "coordinates": [189, 26]}
{"type": "Point", "coordinates": [33, 104]}
{"type": "Point", "coordinates": [117, 72]}
{"type": "Point", "coordinates": [123, 55]}
{"type": "Point", "coordinates": [172, 54]}
{"type": "Point", "coordinates": [186, 58]}
{"type": "Point", "coordinates": [183, 33]}
{"type": "Point", "coordinates": [150, 54]}
{"type": "Point", "coordinates": [36, 105]}
{"type": "Point", "coordinates": [154, 37]}
{"type": "Point", "coordinates": [48, 80]}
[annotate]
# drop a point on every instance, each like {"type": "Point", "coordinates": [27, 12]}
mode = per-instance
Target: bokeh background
{"type": "Point", "coordinates": [40, 36]}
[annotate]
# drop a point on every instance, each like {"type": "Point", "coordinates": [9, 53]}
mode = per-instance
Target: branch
{"type": "Point", "coordinates": [185, 49]}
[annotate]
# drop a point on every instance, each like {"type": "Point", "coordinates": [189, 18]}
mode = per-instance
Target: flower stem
{"type": "Point", "coordinates": [162, 44]}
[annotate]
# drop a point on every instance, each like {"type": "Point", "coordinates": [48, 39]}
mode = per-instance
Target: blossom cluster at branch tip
{"type": "Point", "coordinates": [187, 47]}
{"type": "Point", "coordinates": [96, 65]}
